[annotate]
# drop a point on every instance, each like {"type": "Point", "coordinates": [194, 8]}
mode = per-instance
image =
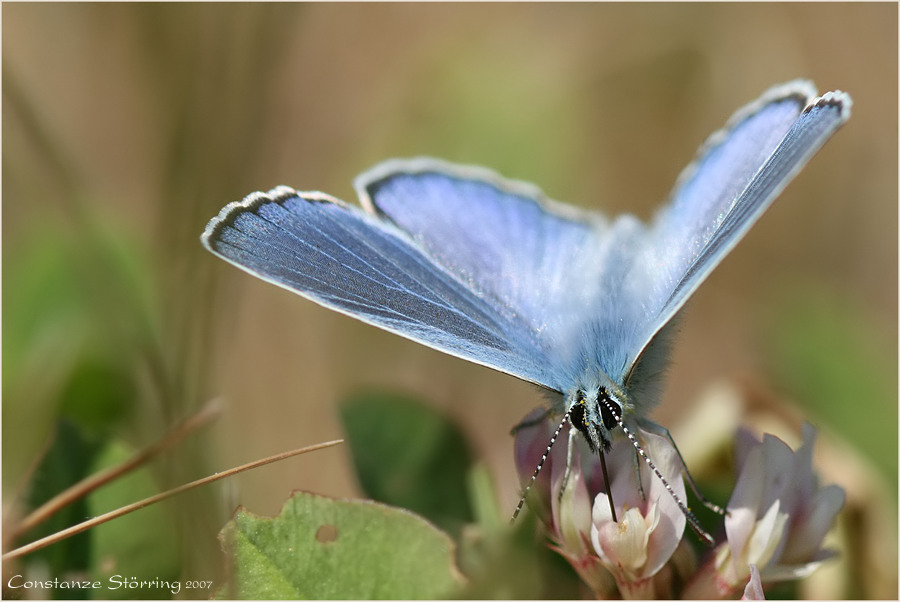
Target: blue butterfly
{"type": "Point", "coordinates": [490, 270]}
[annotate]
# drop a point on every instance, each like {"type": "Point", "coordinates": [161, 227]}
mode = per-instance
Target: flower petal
{"type": "Point", "coordinates": [766, 536]}
{"type": "Point", "coordinates": [806, 538]}
{"type": "Point", "coordinates": [622, 546]}
{"type": "Point", "coordinates": [572, 513]}
{"type": "Point", "coordinates": [754, 589]}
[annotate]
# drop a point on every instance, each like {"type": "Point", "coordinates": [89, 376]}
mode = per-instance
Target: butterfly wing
{"type": "Point", "coordinates": [357, 264]}
{"type": "Point", "coordinates": [503, 238]}
{"type": "Point", "coordinates": [737, 175]}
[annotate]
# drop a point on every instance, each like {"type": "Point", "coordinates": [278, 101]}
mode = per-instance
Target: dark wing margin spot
{"type": "Point", "coordinates": [832, 99]}
{"type": "Point", "coordinates": [250, 204]}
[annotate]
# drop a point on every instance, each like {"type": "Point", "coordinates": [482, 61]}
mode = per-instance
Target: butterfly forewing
{"type": "Point", "coordinates": [738, 174]}
{"type": "Point", "coordinates": [349, 261]}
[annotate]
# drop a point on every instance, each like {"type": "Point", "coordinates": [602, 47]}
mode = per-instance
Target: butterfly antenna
{"type": "Point", "coordinates": [691, 519]}
{"type": "Point", "coordinates": [540, 465]}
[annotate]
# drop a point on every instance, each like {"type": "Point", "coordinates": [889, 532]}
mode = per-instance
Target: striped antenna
{"type": "Point", "coordinates": [691, 519]}
{"type": "Point", "coordinates": [540, 465]}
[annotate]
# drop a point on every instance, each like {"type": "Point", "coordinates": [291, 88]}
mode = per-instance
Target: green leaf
{"type": "Point", "coordinates": [67, 461]}
{"type": "Point", "coordinates": [324, 548]}
{"type": "Point", "coordinates": [406, 454]}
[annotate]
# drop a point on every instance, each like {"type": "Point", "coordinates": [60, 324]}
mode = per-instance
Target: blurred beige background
{"type": "Point", "coordinates": [145, 119]}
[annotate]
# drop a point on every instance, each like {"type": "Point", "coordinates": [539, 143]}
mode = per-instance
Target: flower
{"type": "Point", "coordinates": [778, 513]}
{"type": "Point", "coordinates": [567, 517]}
{"type": "Point", "coordinates": [650, 524]}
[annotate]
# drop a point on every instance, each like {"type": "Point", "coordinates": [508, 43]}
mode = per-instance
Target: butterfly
{"type": "Point", "coordinates": [492, 271]}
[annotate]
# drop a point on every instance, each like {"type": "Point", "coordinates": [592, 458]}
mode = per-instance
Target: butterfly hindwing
{"type": "Point", "coordinates": [528, 255]}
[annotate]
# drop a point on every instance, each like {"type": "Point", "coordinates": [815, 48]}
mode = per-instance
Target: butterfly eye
{"type": "Point", "coordinates": [576, 415]}
{"type": "Point", "coordinates": [606, 412]}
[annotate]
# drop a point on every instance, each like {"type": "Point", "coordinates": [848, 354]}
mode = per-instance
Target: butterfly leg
{"type": "Point", "coordinates": [637, 473]}
{"type": "Point", "coordinates": [529, 422]}
{"type": "Point", "coordinates": [663, 431]}
{"type": "Point", "coordinates": [568, 472]}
